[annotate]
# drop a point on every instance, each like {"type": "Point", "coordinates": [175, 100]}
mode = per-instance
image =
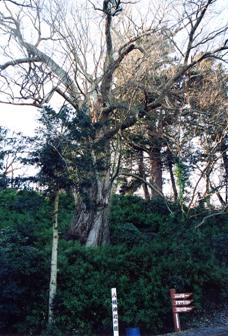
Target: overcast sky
{"type": "Point", "coordinates": [18, 118]}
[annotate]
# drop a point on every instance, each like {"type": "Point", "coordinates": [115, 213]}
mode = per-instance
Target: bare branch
{"type": "Point", "coordinates": [19, 61]}
{"type": "Point", "coordinates": [19, 4]}
{"type": "Point", "coordinates": [34, 103]}
{"type": "Point", "coordinates": [182, 69]}
{"type": "Point", "coordinates": [199, 17]}
{"type": "Point", "coordinates": [210, 216]}
{"type": "Point", "coordinates": [151, 185]}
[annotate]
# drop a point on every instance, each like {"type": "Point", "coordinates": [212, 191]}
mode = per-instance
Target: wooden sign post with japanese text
{"type": "Point", "coordinates": [115, 313]}
{"type": "Point", "coordinates": [180, 304]}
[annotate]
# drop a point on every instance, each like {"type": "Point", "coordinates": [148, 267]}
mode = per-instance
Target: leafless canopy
{"type": "Point", "coordinates": [51, 47]}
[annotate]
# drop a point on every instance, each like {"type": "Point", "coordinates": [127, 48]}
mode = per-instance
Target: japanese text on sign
{"type": "Point", "coordinates": [115, 312]}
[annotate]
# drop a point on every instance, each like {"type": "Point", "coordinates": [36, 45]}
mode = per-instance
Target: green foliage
{"type": "Point", "coordinates": [25, 211]}
{"type": "Point", "coordinates": [142, 264]}
{"type": "Point", "coordinates": [23, 283]}
{"type": "Point", "coordinates": [142, 275]}
{"type": "Point", "coordinates": [25, 228]}
{"type": "Point", "coordinates": [12, 149]}
{"type": "Point", "coordinates": [23, 263]}
{"type": "Point", "coordinates": [135, 210]}
{"type": "Point", "coordinates": [182, 172]}
{"type": "Point", "coordinates": [65, 151]}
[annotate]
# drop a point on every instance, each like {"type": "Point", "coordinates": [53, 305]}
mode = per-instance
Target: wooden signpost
{"type": "Point", "coordinates": [181, 303]}
{"type": "Point", "coordinates": [115, 313]}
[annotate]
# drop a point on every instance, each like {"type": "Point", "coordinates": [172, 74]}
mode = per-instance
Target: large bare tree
{"type": "Point", "coordinates": [51, 48]}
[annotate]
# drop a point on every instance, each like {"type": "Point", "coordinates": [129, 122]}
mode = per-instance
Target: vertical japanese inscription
{"type": "Point", "coordinates": [115, 312]}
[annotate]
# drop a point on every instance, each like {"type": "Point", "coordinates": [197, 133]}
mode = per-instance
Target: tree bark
{"type": "Point", "coordinates": [156, 167]}
{"type": "Point", "coordinates": [172, 178]}
{"type": "Point", "coordinates": [90, 222]}
{"type": "Point", "coordinates": [54, 261]}
{"type": "Point", "coordinates": [143, 175]}
{"type": "Point", "coordinates": [224, 149]}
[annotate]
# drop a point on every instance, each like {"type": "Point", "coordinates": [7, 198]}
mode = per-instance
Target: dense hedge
{"type": "Point", "coordinates": [151, 252]}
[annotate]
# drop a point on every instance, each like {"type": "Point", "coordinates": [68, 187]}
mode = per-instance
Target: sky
{"type": "Point", "coordinates": [19, 118]}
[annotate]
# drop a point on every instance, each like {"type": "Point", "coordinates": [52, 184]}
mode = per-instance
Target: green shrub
{"type": "Point", "coordinates": [23, 284]}
{"type": "Point", "coordinates": [152, 252]}
{"type": "Point", "coordinates": [142, 275]}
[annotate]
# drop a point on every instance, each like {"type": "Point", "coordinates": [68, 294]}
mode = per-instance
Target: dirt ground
{"type": "Point", "coordinates": [204, 331]}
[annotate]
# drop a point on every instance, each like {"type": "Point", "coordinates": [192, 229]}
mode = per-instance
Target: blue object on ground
{"type": "Point", "coordinates": [133, 332]}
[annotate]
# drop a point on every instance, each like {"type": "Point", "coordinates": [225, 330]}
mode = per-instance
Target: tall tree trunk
{"type": "Point", "coordinates": [156, 167]}
{"type": "Point", "coordinates": [224, 149]}
{"type": "Point", "coordinates": [90, 223]}
{"type": "Point", "coordinates": [207, 191]}
{"type": "Point", "coordinates": [54, 261]}
{"type": "Point", "coordinates": [172, 178]}
{"type": "Point", "coordinates": [143, 174]}
{"type": "Point", "coordinates": [221, 200]}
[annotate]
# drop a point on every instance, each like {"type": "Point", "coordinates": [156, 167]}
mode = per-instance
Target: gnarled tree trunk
{"type": "Point", "coordinates": [92, 199]}
{"type": "Point", "coordinates": [90, 223]}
